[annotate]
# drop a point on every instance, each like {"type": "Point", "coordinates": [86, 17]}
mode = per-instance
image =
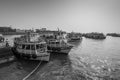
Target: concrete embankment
{"type": "Point", "coordinates": [7, 59]}
{"type": "Point", "coordinates": [6, 55]}
{"type": "Point", "coordinates": [5, 52]}
{"type": "Point", "coordinates": [12, 33]}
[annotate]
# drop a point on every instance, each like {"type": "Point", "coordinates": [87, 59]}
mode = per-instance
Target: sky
{"type": "Point", "coordinates": [68, 15]}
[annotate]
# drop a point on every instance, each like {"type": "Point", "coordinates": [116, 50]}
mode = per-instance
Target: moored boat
{"type": "Point", "coordinates": [56, 43]}
{"type": "Point", "coordinates": [73, 37]}
{"type": "Point", "coordinates": [59, 46]}
{"type": "Point", "coordinates": [31, 47]}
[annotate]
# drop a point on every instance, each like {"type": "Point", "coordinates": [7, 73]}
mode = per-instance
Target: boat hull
{"type": "Point", "coordinates": [74, 40]}
{"type": "Point", "coordinates": [44, 57]}
{"type": "Point", "coordinates": [60, 50]}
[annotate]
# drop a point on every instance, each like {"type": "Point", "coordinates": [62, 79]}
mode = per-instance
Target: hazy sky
{"type": "Point", "coordinates": [69, 15]}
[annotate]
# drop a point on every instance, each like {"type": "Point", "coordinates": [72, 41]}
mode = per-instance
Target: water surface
{"type": "Point", "coordinates": [88, 60]}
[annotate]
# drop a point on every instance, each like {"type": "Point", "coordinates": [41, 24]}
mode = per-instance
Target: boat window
{"type": "Point", "coordinates": [43, 45]}
{"type": "Point", "coordinates": [23, 46]}
{"type": "Point", "coordinates": [40, 46]}
{"type": "Point", "coordinates": [20, 46]}
{"type": "Point", "coordinates": [27, 47]}
{"type": "Point", "coordinates": [15, 44]}
{"type": "Point", "coordinates": [32, 47]}
{"type": "Point", "coordinates": [57, 42]}
{"type": "Point", "coordinates": [52, 42]}
{"type": "Point", "coordinates": [37, 46]}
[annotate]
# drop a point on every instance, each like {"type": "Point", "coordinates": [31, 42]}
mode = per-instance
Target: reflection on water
{"type": "Point", "coordinates": [88, 60]}
{"type": "Point", "coordinates": [98, 59]}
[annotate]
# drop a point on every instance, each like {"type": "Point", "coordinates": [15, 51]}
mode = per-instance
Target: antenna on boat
{"type": "Point", "coordinates": [58, 29]}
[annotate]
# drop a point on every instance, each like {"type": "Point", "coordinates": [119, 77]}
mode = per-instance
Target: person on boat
{"type": "Point", "coordinates": [7, 44]}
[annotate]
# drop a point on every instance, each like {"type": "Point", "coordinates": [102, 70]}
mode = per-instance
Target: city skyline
{"type": "Point", "coordinates": [68, 15]}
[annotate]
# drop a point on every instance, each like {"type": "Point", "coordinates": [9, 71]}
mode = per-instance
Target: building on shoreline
{"type": "Point", "coordinates": [19, 30]}
{"type": "Point", "coordinates": [45, 32]}
{"type": "Point", "coordinates": [10, 31]}
{"type": "Point", "coordinates": [7, 29]}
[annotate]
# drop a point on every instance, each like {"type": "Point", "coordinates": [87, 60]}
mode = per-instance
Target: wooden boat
{"type": "Point", "coordinates": [72, 37]}
{"type": "Point", "coordinates": [59, 46]}
{"type": "Point", "coordinates": [31, 47]}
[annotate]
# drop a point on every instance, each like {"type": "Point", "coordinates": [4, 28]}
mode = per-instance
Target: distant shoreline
{"type": "Point", "coordinates": [12, 33]}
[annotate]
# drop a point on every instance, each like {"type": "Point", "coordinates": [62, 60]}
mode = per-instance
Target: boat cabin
{"type": "Point", "coordinates": [57, 43]}
{"type": "Point", "coordinates": [31, 48]}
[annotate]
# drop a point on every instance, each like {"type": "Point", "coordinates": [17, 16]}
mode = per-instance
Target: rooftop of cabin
{"type": "Point", "coordinates": [26, 39]}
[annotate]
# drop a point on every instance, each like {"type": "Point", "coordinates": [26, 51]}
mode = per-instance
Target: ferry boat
{"type": "Point", "coordinates": [31, 47]}
{"type": "Point", "coordinates": [72, 37]}
{"type": "Point", "coordinates": [57, 44]}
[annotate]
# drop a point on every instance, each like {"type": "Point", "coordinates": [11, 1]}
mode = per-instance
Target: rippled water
{"type": "Point", "coordinates": [99, 59]}
{"type": "Point", "coordinates": [88, 60]}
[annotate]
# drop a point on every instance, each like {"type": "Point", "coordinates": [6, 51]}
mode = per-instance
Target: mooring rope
{"type": "Point", "coordinates": [25, 78]}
